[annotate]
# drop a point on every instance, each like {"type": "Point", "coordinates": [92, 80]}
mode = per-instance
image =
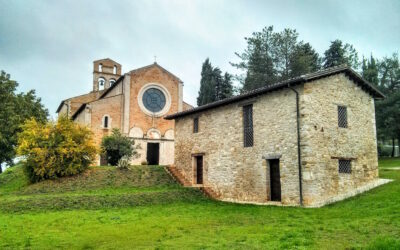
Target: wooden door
{"type": "Point", "coordinates": [153, 153]}
{"type": "Point", "coordinates": [199, 169]}
{"type": "Point", "coordinates": [275, 180]}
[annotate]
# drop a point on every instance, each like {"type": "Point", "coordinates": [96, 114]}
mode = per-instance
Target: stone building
{"type": "Point", "coordinates": [309, 141]}
{"type": "Point", "coordinates": [135, 103]}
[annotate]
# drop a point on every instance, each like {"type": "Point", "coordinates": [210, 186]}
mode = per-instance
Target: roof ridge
{"type": "Point", "coordinates": [157, 65]}
{"type": "Point", "coordinates": [294, 80]}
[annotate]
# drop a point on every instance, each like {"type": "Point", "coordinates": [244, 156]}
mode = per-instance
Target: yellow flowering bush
{"type": "Point", "coordinates": [55, 149]}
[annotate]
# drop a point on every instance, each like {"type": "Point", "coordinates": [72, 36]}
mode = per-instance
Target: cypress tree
{"type": "Point", "coordinates": [207, 86]}
{"type": "Point", "coordinates": [213, 86]}
{"type": "Point", "coordinates": [226, 86]}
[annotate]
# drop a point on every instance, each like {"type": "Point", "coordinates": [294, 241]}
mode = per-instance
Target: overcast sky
{"type": "Point", "coordinates": [50, 45]}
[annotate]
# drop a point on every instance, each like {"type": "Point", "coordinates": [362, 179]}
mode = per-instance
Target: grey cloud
{"type": "Point", "coordinates": [50, 45]}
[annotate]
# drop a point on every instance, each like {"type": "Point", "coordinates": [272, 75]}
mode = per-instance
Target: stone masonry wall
{"type": "Point", "coordinates": [323, 141]}
{"type": "Point", "coordinates": [234, 172]}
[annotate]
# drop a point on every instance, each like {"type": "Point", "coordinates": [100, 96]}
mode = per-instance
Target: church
{"type": "Point", "coordinates": [136, 103]}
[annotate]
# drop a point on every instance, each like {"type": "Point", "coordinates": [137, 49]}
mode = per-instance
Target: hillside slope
{"type": "Point", "coordinates": [98, 187]}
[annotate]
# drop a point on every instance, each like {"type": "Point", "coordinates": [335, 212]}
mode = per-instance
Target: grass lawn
{"type": "Point", "coordinates": [142, 207]}
{"type": "Point", "coordinates": [389, 163]}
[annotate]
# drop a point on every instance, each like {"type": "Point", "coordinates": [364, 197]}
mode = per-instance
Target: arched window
{"type": "Point", "coordinates": [102, 83]}
{"type": "Point", "coordinates": [112, 81]}
{"type": "Point", "coordinates": [100, 67]}
{"type": "Point", "coordinates": [115, 70]}
{"type": "Point", "coordinates": [106, 121]}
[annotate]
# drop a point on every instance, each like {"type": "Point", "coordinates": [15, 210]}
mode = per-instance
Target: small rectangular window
{"type": "Point", "coordinates": [105, 125]}
{"type": "Point", "coordinates": [345, 166]}
{"type": "Point", "coordinates": [342, 116]}
{"type": "Point", "coordinates": [196, 125]}
{"type": "Point", "coordinates": [248, 139]}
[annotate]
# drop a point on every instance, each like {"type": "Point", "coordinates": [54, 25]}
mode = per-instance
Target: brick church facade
{"type": "Point", "coordinates": [135, 103]}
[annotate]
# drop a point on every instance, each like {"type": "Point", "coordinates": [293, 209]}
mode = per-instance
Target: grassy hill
{"type": "Point", "coordinates": [97, 188]}
{"type": "Point", "coordinates": [143, 207]}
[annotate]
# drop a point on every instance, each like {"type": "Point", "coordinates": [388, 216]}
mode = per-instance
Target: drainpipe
{"type": "Point", "coordinates": [298, 144]}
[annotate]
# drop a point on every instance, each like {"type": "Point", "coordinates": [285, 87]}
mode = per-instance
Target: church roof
{"type": "Point", "coordinates": [365, 85]}
{"type": "Point", "coordinates": [112, 86]}
{"type": "Point", "coordinates": [75, 112]}
{"type": "Point", "coordinates": [136, 71]}
{"type": "Point", "coordinates": [155, 64]}
{"type": "Point", "coordinates": [77, 101]}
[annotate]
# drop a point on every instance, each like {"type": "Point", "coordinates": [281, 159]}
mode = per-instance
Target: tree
{"type": "Point", "coordinates": [14, 110]}
{"type": "Point", "coordinates": [226, 87]}
{"type": "Point", "coordinates": [258, 60]}
{"type": "Point", "coordinates": [207, 88]}
{"type": "Point", "coordinates": [55, 149]}
{"type": "Point", "coordinates": [304, 60]}
{"type": "Point", "coordinates": [275, 56]}
{"type": "Point", "coordinates": [388, 110]}
{"type": "Point", "coordinates": [370, 70]}
{"type": "Point", "coordinates": [117, 146]}
{"type": "Point", "coordinates": [217, 80]}
{"type": "Point", "coordinates": [389, 70]}
{"type": "Point", "coordinates": [213, 86]}
{"type": "Point", "coordinates": [285, 45]}
{"type": "Point", "coordinates": [338, 54]}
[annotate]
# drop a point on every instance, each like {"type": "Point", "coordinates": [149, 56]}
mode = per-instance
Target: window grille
{"type": "Point", "coordinates": [248, 136]}
{"type": "Point", "coordinates": [342, 116]}
{"type": "Point", "coordinates": [196, 125]}
{"type": "Point", "coordinates": [345, 166]}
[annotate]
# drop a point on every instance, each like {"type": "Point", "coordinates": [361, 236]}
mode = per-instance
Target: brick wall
{"type": "Point", "coordinates": [138, 118]}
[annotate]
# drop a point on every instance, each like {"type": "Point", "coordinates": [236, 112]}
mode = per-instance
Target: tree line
{"type": "Point", "coordinates": [272, 56]}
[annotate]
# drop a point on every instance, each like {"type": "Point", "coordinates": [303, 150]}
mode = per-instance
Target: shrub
{"type": "Point", "coordinates": [116, 146]}
{"type": "Point", "coordinates": [55, 149]}
{"type": "Point", "coordinates": [123, 163]}
{"type": "Point", "coordinates": [144, 163]}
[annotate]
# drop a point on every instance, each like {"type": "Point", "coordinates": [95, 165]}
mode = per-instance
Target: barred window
{"type": "Point", "coordinates": [345, 166]}
{"type": "Point", "coordinates": [196, 125]}
{"type": "Point", "coordinates": [248, 125]}
{"type": "Point", "coordinates": [342, 116]}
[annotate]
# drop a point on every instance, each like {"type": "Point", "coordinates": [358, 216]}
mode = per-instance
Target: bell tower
{"type": "Point", "coordinates": [105, 73]}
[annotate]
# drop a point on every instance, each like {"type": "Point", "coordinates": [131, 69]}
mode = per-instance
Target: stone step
{"type": "Point", "coordinates": [178, 177]}
{"type": "Point", "coordinates": [209, 192]}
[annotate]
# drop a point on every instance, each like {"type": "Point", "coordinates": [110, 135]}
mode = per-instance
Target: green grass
{"type": "Point", "coordinates": [389, 163]}
{"type": "Point", "coordinates": [142, 207]}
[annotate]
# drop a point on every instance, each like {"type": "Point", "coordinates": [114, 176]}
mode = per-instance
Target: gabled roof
{"type": "Point", "coordinates": [112, 87]}
{"type": "Point", "coordinates": [136, 71]}
{"type": "Point", "coordinates": [80, 99]}
{"type": "Point", "coordinates": [366, 86]}
{"type": "Point", "coordinates": [155, 65]}
{"type": "Point", "coordinates": [82, 107]}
